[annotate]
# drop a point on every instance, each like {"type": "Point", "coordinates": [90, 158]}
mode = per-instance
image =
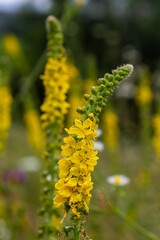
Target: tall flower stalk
{"type": "Point", "coordinates": [56, 77]}
{"type": "Point", "coordinates": [74, 184]}
{"type": "Point", "coordinates": [143, 98]}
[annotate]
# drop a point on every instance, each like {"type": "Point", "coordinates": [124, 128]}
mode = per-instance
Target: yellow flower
{"type": "Point", "coordinates": [91, 115]}
{"type": "Point", "coordinates": [85, 129]}
{"type": "Point", "coordinates": [74, 185]}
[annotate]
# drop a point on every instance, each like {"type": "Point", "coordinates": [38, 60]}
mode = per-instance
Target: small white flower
{"type": "Point", "coordinates": [118, 180]}
{"type": "Point", "coordinates": [99, 131]}
{"type": "Point", "coordinates": [49, 178]}
{"type": "Point", "coordinates": [30, 164]}
{"type": "Point", "coordinates": [99, 146]}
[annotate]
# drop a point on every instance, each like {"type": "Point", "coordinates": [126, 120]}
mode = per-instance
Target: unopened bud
{"type": "Point", "coordinates": [94, 90]}
{"type": "Point", "coordinates": [86, 96]}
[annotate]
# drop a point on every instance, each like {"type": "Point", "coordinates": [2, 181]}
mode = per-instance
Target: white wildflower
{"type": "Point", "coordinates": [118, 180]}
{"type": "Point", "coordinates": [99, 146]}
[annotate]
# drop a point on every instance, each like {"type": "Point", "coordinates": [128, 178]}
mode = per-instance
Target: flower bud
{"type": "Point", "coordinates": [101, 87]}
{"type": "Point", "coordinates": [99, 98]}
{"type": "Point", "coordinates": [81, 110]}
{"type": "Point", "coordinates": [116, 82]}
{"type": "Point", "coordinates": [87, 96]}
{"type": "Point", "coordinates": [109, 84]}
{"type": "Point", "coordinates": [94, 90]}
{"type": "Point", "coordinates": [91, 100]}
{"type": "Point", "coordinates": [101, 81]}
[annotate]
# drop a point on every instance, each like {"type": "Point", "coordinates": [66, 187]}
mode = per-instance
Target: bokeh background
{"type": "Point", "coordinates": [99, 35]}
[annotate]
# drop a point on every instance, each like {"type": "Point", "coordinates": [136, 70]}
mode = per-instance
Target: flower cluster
{"type": "Point", "coordinates": [143, 95]}
{"type": "Point", "coordinates": [74, 185]}
{"type": "Point", "coordinates": [5, 114]}
{"type": "Point", "coordinates": [34, 130]}
{"type": "Point", "coordinates": [56, 83]}
{"type": "Point", "coordinates": [156, 136]}
{"type": "Point", "coordinates": [110, 128]}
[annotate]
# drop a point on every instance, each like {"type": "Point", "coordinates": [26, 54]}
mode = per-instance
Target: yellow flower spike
{"type": "Point", "coordinates": [58, 74]}
{"type": "Point", "coordinates": [74, 184]}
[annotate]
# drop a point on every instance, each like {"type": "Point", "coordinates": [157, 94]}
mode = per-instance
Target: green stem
{"type": "Point", "coordinates": [76, 232]}
{"type": "Point", "coordinates": [129, 220]}
{"type": "Point", "coordinates": [32, 77]}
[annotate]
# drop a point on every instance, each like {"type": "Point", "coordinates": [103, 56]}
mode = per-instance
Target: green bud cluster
{"type": "Point", "coordinates": [55, 37]}
{"type": "Point", "coordinates": [103, 90]}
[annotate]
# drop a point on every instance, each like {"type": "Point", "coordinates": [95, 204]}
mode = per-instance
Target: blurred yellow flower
{"type": "Point", "coordinates": [34, 130]}
{"type": "Point", "coordinates": [56, 221]}
{"type": "Point", "coordinates": [5, 114]}
{"type": "Point", "coordinates": [110, 128]}
{"type": "Point", "coordinates": [143, 95]}
{"type": "Point", "coordinates": [12, 45]}
{"type": "Point", "coordinates": [88, 83]}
